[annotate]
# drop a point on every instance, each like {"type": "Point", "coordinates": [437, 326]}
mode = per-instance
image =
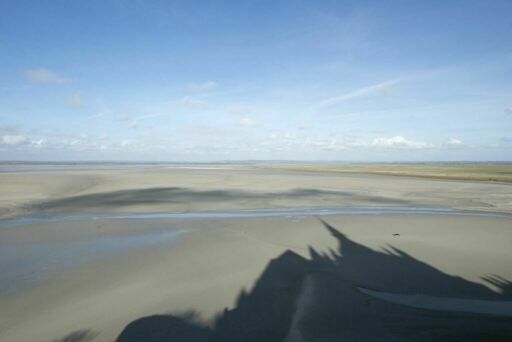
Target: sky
{"type": "Point", "coordinates": [256, 80]}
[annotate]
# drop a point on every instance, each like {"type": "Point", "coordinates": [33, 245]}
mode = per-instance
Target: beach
{"type": "Point", "coordinates": [251, 252]}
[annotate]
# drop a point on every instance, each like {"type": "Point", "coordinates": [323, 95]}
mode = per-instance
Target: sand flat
{"type": "Point", "coordinates": [210, 264]}
{"type": "Point", "coordinates": [103, 278]}
{"type": "Point", "coordinates": [157, 189]}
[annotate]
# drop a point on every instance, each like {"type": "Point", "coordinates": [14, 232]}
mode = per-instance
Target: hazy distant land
{"type": "Point", "coordinates": [490, 172]}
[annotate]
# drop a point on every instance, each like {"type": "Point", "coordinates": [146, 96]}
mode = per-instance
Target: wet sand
{"type": "Point", "coordinates": [291, 278]}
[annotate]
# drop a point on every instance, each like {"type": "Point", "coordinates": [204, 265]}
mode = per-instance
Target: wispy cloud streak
{"type": "Point", "coordinates": [379, 88]}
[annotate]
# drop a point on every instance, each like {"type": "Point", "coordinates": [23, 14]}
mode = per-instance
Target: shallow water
{"type": "Point", "coordinates": [271, 212]}
{"type": "Point", "coordinates": [24, 265]}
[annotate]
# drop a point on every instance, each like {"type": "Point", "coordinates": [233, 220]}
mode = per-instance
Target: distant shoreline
{"type": "Point", "coordinates": [249, 162]}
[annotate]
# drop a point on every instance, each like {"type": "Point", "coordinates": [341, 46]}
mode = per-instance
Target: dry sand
{"type": "Point", "coordinates": [281, 278]}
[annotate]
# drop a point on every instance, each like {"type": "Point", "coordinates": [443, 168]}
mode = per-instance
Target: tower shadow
{"type": "Point", "coordinates": [320, 299]}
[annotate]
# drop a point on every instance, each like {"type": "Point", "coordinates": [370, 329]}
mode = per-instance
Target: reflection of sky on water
{"type": "Point", "coordinates": [23, 265]}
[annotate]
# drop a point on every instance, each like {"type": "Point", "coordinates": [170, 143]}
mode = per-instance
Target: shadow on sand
{"type": "Point", "coordinates": [78, 336]}
{"type": "Point", "coordinates": [296, 299]}
{"type": "Point", "coordinates": [177, 195]}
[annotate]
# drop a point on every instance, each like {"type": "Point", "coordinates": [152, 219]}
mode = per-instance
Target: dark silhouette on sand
{"type": "Point", "coordinates": [166, 195]}
{"type": "Point", "coordinates": [296, 299]}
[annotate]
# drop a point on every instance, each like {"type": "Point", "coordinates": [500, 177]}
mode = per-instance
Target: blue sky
{"type": "Point", "coordinates": [230, 80]}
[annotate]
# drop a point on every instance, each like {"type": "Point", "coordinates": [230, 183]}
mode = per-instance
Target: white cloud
{"type": "Point", "coordinates": [375, 89]}
{"type": "Point", "coordinates": [204, 86]}
{"type": "Point", "coordinates": [246, 121]}
{"type": "Point", "coordinates": [43, 76]}
{"type": "Point", "coordinates": [204, 130]}
{"type": "Point", "coordinates": [14, 140]}
{"type": "Point", "coordinates": [134, 122]}
{"type": "Point", "coordinates": [292, 141]}
{"type": "Point", "coordinates": [453, 142]}
{"type": "Point", "coordinates": [6, 129]}
{"type": "Point", "coordinates": [76, 100]}
{"type": "Point", "coordinates": [130, 123]}
{"type": "Point", "coordinates": [399, 142]}
{"type": "Point", "coordinates": [126, 143]}
{"type": "Point", "coordinates": [123, 117]}
{"type": "Point", "coordinates": [38, 143]}
{"type": "Point", "coordinates": [191, 101]}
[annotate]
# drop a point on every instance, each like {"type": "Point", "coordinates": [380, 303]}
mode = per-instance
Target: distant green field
{"type": "Point", "coordinates": [489, 172]}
